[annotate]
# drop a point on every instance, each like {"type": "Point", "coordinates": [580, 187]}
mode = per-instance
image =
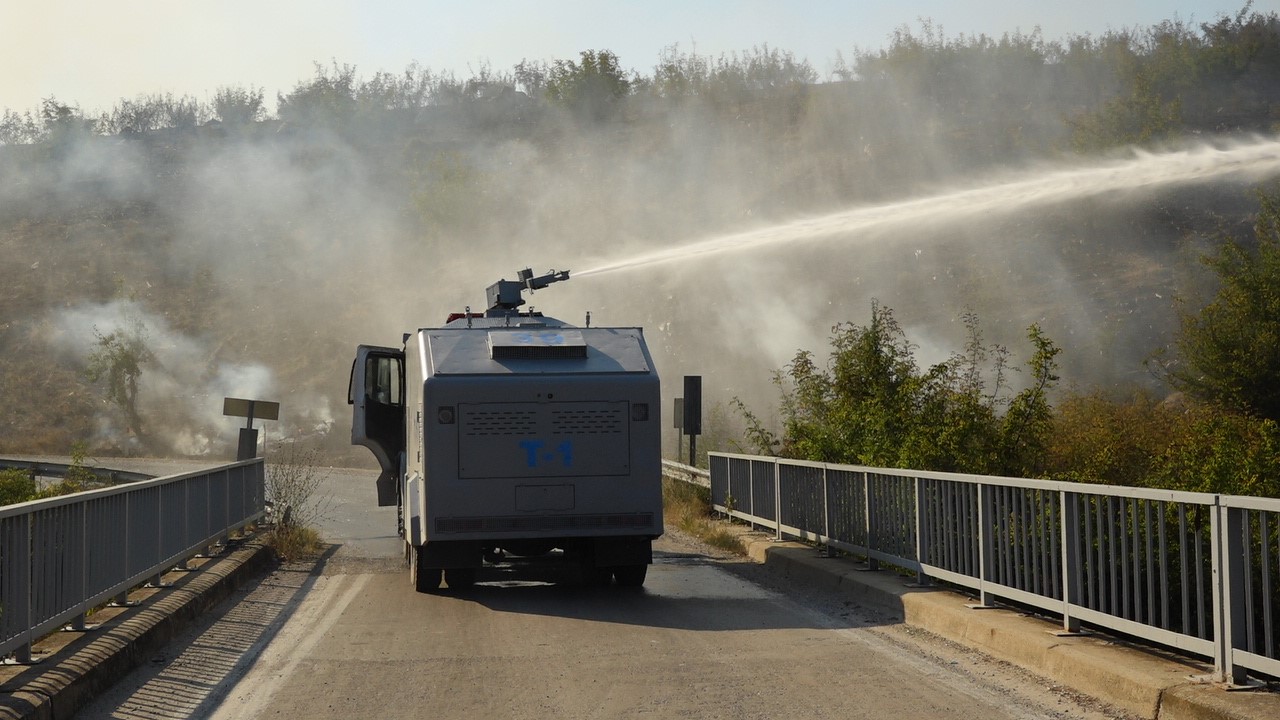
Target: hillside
{"type": "Point", "coordinates": [252, 256]}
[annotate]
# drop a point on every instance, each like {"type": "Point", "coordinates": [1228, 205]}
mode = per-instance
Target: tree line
{"type": "Point", "coordinates": [1015, 93]}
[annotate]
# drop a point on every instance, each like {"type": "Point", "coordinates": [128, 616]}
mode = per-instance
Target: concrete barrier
{"type": "Point", "coordinates": [1136, 679]}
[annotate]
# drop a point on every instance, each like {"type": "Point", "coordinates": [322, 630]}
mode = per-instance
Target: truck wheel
{"type": "Point", "coordinates": [423, 579]}
{"type": "Point", "coordinates": [460, 578]}
{"type": "Point", "coordinates": [630, 575]}
{"type": "Point", "coordinates": [597, 577]}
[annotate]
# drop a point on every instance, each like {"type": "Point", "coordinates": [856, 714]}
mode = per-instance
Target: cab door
{"type": "Point", "coordinates": [376, 394]}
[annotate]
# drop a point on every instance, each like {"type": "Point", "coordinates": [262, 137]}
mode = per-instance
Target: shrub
{"type": "Point", "coordinates": [16, 486]}
{"type": "Point", "coordinates": [294, 484]}
{"type": "Point", "coordinates": [689, 506]}
{"type": "Point", "coordinates": [1177, 443]}
{"type": "Point", "coordinates": [872, 405]}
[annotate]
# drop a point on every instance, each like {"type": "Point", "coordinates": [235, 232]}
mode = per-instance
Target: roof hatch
{"type": "Point", "coordinates": [537, 344]}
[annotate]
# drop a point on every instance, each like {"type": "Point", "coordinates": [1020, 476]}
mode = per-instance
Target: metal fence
{"type": "Point", "coordinates": [63, 556]}
{"type": "Point", "coordinates": [1192, 571]}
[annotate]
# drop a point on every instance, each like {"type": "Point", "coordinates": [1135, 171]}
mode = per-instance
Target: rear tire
{"type": "Point", "coordinates": [460, 578]}
{"type": "Point", "coordinates": [596, 577]}
{"type": "Point", "coordinates": [630, 575]}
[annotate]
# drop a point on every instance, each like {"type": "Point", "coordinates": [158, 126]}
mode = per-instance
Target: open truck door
{"type": "Point", "coordinates": [376, 394]}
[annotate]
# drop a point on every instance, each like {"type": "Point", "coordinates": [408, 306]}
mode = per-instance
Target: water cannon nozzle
{"type": "Point", "coordinates": [504, 295]}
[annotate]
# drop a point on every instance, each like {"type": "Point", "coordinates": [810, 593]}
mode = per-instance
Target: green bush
{"type": "Point", "coordinates": [872, 405]}
{"type": "Point", "coordinates": [16, 486]}
{"type": "Point", "coordinates": [1176, 444]}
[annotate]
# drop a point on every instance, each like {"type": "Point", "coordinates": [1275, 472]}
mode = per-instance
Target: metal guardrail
{"type": "Point", "coordinates": [63, 556]}
{"type": "Point", "coordinates": [1196, 572]}
{"type": "Point", "coordinates": [50, 469]}
{"type": "Point", "coordinates": [686, 473]}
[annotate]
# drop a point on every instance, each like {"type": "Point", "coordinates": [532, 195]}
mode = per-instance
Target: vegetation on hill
{"type": "Point", "coordinates": [170, 251]}
{"type": "Point", "coordinates": [872, 405]}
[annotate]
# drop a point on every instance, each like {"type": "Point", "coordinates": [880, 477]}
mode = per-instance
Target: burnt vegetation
{"type": "Point", "coordinates": [159, 252]}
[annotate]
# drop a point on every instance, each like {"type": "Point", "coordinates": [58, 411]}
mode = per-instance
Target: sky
{"type": "Point", "coordinates": [93, 53]}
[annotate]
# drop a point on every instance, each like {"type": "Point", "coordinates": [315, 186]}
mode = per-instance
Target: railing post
{"type": "Point", "coordinates": [922, 521]}
{"type": "Point", "coordinates": [826, 512]}
{"type": "Point", "coordinates": [82, 562]}
{"type": "Point", "coordinates": [26, 589]}
{"type": "Point", "coordinates": [777, 499]}
{"type": "Point", "coordinates": [872, 563]}
{"type": "Point", "coordinates": [1228, 531]}
{"type": "Point", "coordinates": [985, 546]}
{"type": "Point", "coordinates": [1071, 571]}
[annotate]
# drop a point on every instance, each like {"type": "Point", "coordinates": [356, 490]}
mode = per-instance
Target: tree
{"type": "Point", "coordinates": [118, 359]}
{"type": "Point", "coordinates": [62, 122]}
{"type": "Point", "coordinates": [328, 100]}
{"type": "Point", "coordinates": [20, 129]}
{"type": "Point", "coordinates": [531, 77]}
{"type": "Point", "coordinates": [592, 86]}
{"type": "Point", "coordinates": [238, 106]}
{"type": "Point", "coordinates": [1229, 352]}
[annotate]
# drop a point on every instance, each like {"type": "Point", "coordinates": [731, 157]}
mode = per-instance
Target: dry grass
{"type": "Point", "coordinates": [689, 508]}
{"type": "Point", "coordinates": [290, 542]}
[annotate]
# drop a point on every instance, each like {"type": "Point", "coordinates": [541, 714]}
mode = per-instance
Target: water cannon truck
{"type": "Point", "coordinates": [510, 434]}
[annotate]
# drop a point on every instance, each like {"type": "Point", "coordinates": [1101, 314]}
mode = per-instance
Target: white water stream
{"type": "Point", "coordinates": [1251, 161]}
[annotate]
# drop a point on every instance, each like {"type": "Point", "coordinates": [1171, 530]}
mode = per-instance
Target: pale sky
{"type": "Point", "coordinates": [92, 53]}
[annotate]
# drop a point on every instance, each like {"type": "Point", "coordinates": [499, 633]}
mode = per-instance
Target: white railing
{"type": "Point", "coordinates": [1192, 571]}
{"type": "Point", "coordinates": [61, 557]}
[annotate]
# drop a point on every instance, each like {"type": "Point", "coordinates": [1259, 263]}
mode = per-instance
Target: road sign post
{"type": "Point", "coordinates": [247, 448]}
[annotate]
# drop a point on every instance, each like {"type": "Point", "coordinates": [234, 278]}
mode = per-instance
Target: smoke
{"type": "Point", "coordinates": [182, 383]}
{"type": "Point", "coordinates": [259, 258]}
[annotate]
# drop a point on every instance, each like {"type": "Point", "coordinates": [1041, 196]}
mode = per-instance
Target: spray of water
{"type": "Point", "coordinates": [1251, 161]}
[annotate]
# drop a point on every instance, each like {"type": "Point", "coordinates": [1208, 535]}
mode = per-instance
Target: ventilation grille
{"type": "Point", "coordinates": [520, 523]}
{"type": "Point", "coordinates": [542, 343]}
{"type": "Point", "coordinates": [539, 352]}
{"type": "Point", "coordinates": [500, 422]}
{"type": "Point", "coordinates": [608, 421]}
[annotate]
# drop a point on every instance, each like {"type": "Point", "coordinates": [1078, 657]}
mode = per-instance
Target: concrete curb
{"type": "Point", "coordinates": [70, 677]}
{"type": "Point", "coordinates": [1137, 680]}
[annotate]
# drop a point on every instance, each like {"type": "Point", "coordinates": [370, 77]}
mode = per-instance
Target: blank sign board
{"type": "Point", "coordinates": [256, 409]}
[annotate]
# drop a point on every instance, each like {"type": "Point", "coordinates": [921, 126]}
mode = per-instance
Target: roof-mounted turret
{"type": "Point", "coordinates": [504, 295]}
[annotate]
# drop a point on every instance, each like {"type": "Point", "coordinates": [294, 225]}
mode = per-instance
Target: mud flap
{"type": "Point", "coordinates": [386, 485]}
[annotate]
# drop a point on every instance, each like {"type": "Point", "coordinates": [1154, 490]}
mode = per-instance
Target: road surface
{"type": "Point", "coordinates": [709, 636]}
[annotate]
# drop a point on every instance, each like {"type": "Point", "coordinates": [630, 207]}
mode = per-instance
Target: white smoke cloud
{"type": "Point", "coordinates": [181, 387]}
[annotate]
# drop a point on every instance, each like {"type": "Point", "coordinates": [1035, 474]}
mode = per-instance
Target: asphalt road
{"type": "Point", "coordinates": [709, 636]}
